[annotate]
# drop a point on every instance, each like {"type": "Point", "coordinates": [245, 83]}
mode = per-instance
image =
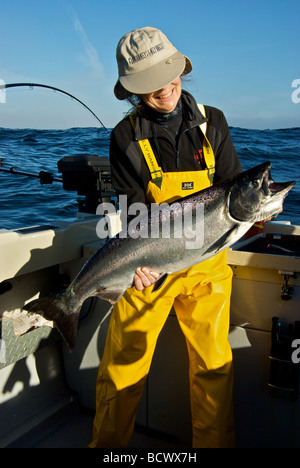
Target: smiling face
{"type": "Point", "coordinates": [164, 100]}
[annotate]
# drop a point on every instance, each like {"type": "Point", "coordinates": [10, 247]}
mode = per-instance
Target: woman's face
{"type": "Point", "coordinates": [164, 100]}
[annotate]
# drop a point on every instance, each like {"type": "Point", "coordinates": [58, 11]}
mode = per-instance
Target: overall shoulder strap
{"type": "Point", "coordinates": [207, 149]}
{"type": "Point", "coordinates": [204, 125]}
{"type": "Point", "coordinates": [155, 170]}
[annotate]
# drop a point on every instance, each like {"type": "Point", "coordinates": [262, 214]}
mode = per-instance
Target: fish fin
{"type": "Point", "coordinates": [223, 242]}
{"type": "Point", "coordinates": [110, 296]}
{"type": "Point", "coordinates": [64, 317]}
{"type": "Point", "coordinates": [159, 283]}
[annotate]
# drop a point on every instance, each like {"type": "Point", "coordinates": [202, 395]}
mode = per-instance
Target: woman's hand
{"type": "Point", "coordinates": [144, 278]}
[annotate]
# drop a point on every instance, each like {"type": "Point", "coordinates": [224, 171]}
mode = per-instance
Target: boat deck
{"type": "Point", "coordinates": [47, 394]}
{"type": "Point", "coordinates": [72, 428]}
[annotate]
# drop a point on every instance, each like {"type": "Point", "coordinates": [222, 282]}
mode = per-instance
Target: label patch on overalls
{"type": "Point", "coordinates": [187, 186]}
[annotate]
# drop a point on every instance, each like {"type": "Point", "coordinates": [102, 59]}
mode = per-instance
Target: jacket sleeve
{"type": "Point", "coordinates": [227, 161]}
{"type": "Point", "coordinates": [125, 178]}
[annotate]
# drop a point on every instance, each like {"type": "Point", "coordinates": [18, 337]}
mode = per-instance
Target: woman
{"type": "Point", "coordinates": [167, 148]}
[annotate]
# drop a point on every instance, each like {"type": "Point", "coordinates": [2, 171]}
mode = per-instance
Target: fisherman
{"type": "Point", "coordinates": [167, 148]}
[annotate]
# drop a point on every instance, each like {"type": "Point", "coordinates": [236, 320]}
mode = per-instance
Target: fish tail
{"type": "Point", "coordinates": [64, 316]}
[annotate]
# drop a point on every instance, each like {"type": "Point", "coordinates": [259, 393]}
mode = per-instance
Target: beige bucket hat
{"type": "Point", "coordinates": [147, 61]}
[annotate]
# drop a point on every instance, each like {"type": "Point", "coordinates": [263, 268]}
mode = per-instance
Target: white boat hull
{"type": "Point", "coordinates": [31, 262]}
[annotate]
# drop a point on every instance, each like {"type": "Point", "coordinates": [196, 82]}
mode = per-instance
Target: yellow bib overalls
{"type": "Point", "coordinates": [200, 296]}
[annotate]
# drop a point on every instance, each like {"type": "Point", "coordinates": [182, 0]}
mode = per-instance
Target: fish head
{"type": "Point", "coordinates": [255, 196]}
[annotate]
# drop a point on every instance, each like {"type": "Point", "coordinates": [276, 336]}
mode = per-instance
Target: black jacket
{"type": "Point", "coordinates": [130, 173]}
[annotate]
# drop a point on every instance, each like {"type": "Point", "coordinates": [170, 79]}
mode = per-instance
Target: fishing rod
{"type": "Point", "coordinates": [45, 177]}
{"type": "Point", "coordinates": [38, 85]}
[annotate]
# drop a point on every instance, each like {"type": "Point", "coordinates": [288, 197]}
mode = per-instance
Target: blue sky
{"type": "Point", "coordinates": [245, 57]}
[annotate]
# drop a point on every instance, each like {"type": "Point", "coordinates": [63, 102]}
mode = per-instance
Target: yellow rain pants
{"type": "Point", "coordinates": [201, 299]}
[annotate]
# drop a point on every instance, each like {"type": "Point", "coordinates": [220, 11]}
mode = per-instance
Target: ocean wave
{"type": "Point", "coordinates": [25, 202]}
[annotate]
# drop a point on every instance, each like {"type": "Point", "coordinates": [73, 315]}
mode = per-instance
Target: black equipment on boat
{"type": "Point", "coordinates": [44, 176]}
{"type": "Point", "coordinates": [90, 176]}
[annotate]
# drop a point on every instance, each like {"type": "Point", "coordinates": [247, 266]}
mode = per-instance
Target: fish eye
{"type": "Point", "coordinates": [256, 182]}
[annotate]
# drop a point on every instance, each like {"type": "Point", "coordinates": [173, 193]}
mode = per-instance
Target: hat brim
{"type": "Point", "coordinates": [153, 78]}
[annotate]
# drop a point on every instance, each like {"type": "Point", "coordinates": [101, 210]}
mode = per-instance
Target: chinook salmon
{"type": "Point", "coordinates": [230, 208]}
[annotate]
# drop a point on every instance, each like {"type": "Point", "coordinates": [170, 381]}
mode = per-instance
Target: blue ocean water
{"type": "Point", "coordinates": [25, 202]}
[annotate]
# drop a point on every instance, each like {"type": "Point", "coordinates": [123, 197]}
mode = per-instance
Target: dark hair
{"type": "Point", "coordinates": [137, 104]}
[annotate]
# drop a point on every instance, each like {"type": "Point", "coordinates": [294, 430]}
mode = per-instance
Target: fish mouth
{"type": "Point", "coordinates": [277, 187]}
{"type": "Point", "coordinates": [272, 188]}
{"type": "Point", "coordinates": [258, 196]}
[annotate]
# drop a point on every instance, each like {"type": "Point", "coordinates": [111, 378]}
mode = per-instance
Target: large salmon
{"type": "Point", "coordinates": [229, 209]}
